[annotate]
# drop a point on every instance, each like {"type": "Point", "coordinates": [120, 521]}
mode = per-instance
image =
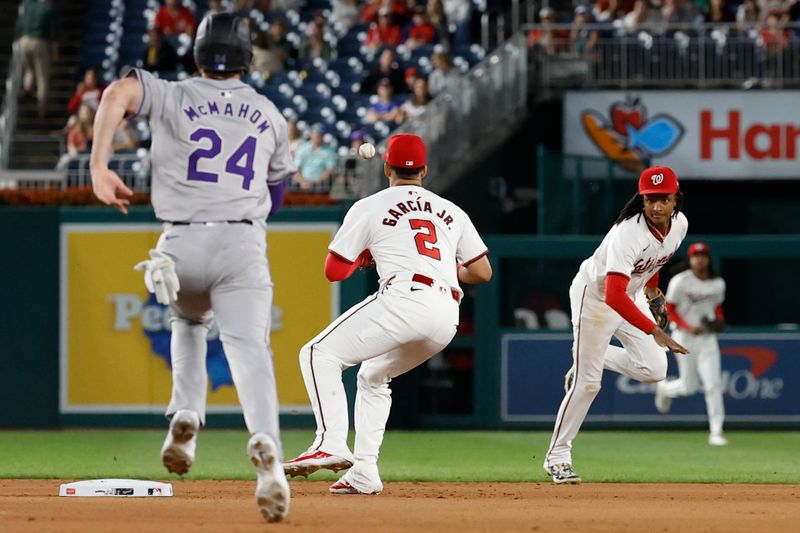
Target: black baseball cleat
{"type": "Point", "coordinates": [563, 474]}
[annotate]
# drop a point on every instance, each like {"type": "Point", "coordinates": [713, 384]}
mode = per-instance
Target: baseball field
{"type": "Point", "coordinates": [633, 481]}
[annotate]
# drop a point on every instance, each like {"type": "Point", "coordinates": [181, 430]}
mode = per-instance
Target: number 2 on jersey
{"type": "Point", "coordinates": [233, 165]}
{"type": "Point", "coordinates": [425, 239]}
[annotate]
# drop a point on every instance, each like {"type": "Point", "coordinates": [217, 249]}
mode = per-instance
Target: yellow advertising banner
{"type": "Point", "coordinates": [115, 337]}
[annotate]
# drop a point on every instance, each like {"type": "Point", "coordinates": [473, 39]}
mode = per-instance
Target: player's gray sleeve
{"type": "Point", "coordinates": [153, 93]}
{"type": "Point", "coordinates": [281, 164]}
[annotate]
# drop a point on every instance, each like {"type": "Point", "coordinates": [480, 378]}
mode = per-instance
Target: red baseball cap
{"type": "Point", "coordinates": [658, 180]}
{"type": "Point", "coordinates": [405, 150]}
{"type": "Point", "coordinates": [699, 248]}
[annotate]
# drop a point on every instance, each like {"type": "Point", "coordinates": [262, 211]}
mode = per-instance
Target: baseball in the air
{"type": "Point", "coordinates": [366, 150]}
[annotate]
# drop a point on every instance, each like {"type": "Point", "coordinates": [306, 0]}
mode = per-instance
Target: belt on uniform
{"type": "Point", "coordinates": [184, 223]}
{"type": "Point", "coordinates": [425, 280]}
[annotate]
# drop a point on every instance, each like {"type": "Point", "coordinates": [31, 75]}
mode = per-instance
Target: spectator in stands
{"type": "Point", "coordinates": [643, 17]}
{"type": "Point", "coordinates": [387, 68]}
{"type": "Point", "coordinates": [79, 136]}
{"type": "Point", "coordinates": [438, 18]}
{"type": "Point", "coordinates": [410, 76]}
{"type": "Point", "coordinates": [678, 12]}
{"type": "Point", "coordinates": [459, 13]}
{"type": "Point", "coordinates": [582, 40]}
{"type": "Point", "coordinates": [546, 39]}
{"type": "Point", "coordinates": [37, 31]}
{"type": "Point", "coordinates": [123, 138]}
{"type": "Point", "coordinates": [345, 13]}
{"type": "Point", "coordinates": [173, 19]}
{"type": "Point", "coordinates": [267, 58]}
{"type": "Point", "coordinates": [294, 136]}
{"type": "Point", "coordinates": [747, 14]}
{"type": "Point", "coordinates": [159, 56]}
{"type": "Point", "coordinates": [383, 33]}
{"type": "Point", "coordinates": [277, 33]}
{"type": "Point", "coordinates": [371, 11]}
{"type": "Point", "coordinates": [214, 7]}
{"type": "Point", "coordinates": [386, 109]}
{"type": "Point", "coordinates": [420, 32]}
{"type": "Point", "coordinates": [605, 10]}
{"type": "Point", "coordinates": [416, 104]}
{"type": "Point", "coordinates": [316, 161]}
{"type": "Point", "coordinates": [718, 12]}
{"type": "Point", "coordinates": [315, 46]}
{"type": "Point", "coordinates": [774, 37]}
{"type": "Point", "coordinates": [443, 75]}
{"type": "Point", "coordinates": [88, 92]}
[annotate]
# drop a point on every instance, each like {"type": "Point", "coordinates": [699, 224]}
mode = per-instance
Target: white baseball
{"type": "Point", "coordinates": [366, 150]}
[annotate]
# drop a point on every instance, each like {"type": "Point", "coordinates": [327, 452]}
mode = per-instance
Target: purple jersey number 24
{"type": "Point", "coordinates": [234, 164]}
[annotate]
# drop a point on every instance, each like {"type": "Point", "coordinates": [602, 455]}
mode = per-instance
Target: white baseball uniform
{"type": "Point", "coordinates": [416, 239]}
{"type": "Point", "coordinates": [216, 146]}
{"type": "Point", "coordinates": [695, 299]}
{"type": "Point", "coordinates": [631, 249]}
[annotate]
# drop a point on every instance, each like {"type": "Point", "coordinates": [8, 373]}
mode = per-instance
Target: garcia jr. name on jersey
{"type": "Point", "coordinates": [411, 206]}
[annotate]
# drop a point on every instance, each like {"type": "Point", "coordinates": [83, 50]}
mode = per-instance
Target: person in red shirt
{"type": "Point", "coordinates": [420, 32]}
{"type": "Point", "coordinates": [88, 92]}
{"type": "Point", "coordinates": [374, 7]}
{"type": "Point", "coordinates": [173, 19]}
{"type": "Point", "coordinates": [384, 33]}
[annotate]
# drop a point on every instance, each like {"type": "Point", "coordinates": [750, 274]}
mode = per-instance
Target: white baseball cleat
{"type": "Point", "coordinates": [563, 474]}
{"type": "Point", "coordinates": [311, 461]}
{"type": "Point", "coordinates": [345, 485]}
{"type": "Point", "coordinates": [272, 489]}
{"type": "Point", "coordinates": [717, 439]}
{"type": "Point", "coordinates": [662, 401]}
{"type": "Point", "coordinates": [177, 453]}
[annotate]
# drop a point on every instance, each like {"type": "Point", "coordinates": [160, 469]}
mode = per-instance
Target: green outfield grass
{"type": "Point", "coordinates": [599, 456]}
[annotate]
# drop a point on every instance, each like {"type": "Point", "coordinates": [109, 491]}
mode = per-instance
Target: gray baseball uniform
{"type": "Point", "coordinates": [216, 145]}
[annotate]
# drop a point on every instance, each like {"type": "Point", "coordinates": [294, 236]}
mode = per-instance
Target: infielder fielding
{"type": "Point", "coordinates": [220, 158]}
{"type": "Point", "coordinates": [694, 302]}
{"type": "Point", "coordinates": [422, 246]}
{"type": "Point", "coordinates": [607, 300]}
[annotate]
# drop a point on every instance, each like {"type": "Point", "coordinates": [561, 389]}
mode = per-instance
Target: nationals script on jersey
{"type": "Point", "coordinates": [630, 248]}
{"type": "Point", "coordinates": [410, 229]}
{"type": "Point", "coordinates": [216, 145]}
{"type": "Point", "coordinates": [695, 298]}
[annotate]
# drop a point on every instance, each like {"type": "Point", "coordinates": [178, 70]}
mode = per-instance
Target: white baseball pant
{"type": "Point", "coordinates": [594, 323]}
{"type": "Point", "coordinates": [390, 332]}
{"type": "Point", "coordinates": [224, 276]}
{"type": "Point", "coordinates": [701, 370]}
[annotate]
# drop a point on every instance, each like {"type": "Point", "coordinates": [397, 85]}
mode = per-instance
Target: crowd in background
{"type": "Point", "coordinates": [761, 20]}
{"type": "Point", "coordinates": [396, 95]}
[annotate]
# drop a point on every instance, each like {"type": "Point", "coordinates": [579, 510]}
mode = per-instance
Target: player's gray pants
{"type": "Point", "coordinates": [701, 370]}
{"type": "Point", "coordinates": [594, 323]}
{"type": "Point", "coordinates": [224, 276]}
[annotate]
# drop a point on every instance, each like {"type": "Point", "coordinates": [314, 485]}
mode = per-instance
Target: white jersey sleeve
{"type": "Point", "coordinates": [721, 293]}
{"type": "Point", "coordinates": [470, 247]}
{"type": "Point", "coordinates": [353, 236]}
{"type": "Point", "coordinates": [675, 290]}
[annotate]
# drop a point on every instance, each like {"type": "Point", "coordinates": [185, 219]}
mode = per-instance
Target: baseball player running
{"type": "Point", "coordinates": [422, 246]}
{"type": "Point", "coordinates": [220, 157]}
{"type": "Point", "coordinates": [694, 302]}
{"type": "Point", "coordinates": [608, 298]}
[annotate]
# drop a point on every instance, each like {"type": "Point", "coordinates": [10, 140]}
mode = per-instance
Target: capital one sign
{"type": "Point", "coordinates": [702, 134]}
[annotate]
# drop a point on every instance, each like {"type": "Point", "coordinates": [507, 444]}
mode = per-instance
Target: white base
{"type": "Point", "coordinates": [115, 487]}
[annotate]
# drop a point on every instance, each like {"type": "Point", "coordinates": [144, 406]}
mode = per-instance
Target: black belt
{"type": "Point", "coordinates": [182, 223]}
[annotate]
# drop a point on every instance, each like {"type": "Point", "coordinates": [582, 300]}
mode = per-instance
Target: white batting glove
{"type": "Point", "coordinates": [160, 277]}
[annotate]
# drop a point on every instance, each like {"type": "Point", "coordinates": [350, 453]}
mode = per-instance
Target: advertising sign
{"type": "Point", "coordinates": [701, 134]}
{"type": "Point", "coordinates": [115, 338]}
{"type": "Point", "coordinates": [758, 373]}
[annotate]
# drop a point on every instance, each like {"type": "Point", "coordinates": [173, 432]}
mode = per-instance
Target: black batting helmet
{"type": "Point", "coordinates": [223, 44]}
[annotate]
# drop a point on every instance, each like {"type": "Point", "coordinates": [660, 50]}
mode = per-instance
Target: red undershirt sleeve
{"type": "Point", "coordinates": [618, 300]}
{"type": "Point", "coordinates": [720, 314]}
{"type": "Point", "coordinates": [653, 282]}
{"type": "Point", "coordinates": [675, 317]}
{"type": "Point", "coordinates": [337, 268]}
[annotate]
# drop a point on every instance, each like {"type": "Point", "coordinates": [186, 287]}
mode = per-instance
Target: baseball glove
{"type": "Point", "coordinates": [658, 306]}
{"type": "Point", "coordinates": [713, 325]}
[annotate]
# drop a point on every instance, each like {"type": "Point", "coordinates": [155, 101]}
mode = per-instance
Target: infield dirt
{"type": "Point", "coordinates": [33, 505]}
